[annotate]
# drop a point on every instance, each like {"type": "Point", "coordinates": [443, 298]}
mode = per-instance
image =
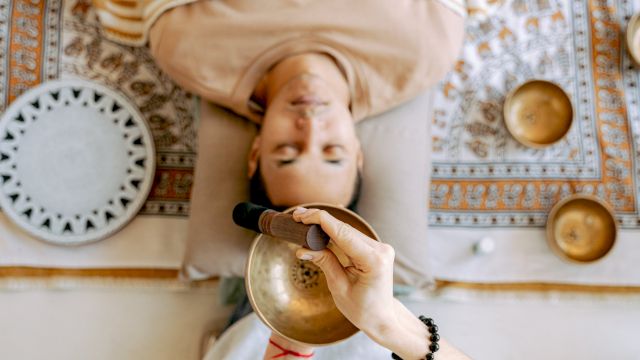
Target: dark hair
{"type": "Point", "coordinates": [258, 192]}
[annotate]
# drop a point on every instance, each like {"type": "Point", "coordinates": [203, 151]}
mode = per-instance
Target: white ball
{"type": "Point", "coordinates": [486, 245]}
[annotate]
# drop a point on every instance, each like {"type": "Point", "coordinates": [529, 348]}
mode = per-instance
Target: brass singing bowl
{"type": "Point", "coordinates": [290, 295]}
{"type": "Point", "coordinates": [538, 113]}
{"type": "Point", "coordinates": [581, 228]}
{"type": "Point", "coordinates": [633, 38]}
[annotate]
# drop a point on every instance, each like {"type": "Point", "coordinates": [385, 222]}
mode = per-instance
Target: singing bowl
{"type": "Point", "coordinates": [290, 295]}
{"type": "Point", "coordinates": [538, 113]}
{"type": "Point", "coordinates": [581, 228]}
{"type": "Point", "coordinates": [633, 38]}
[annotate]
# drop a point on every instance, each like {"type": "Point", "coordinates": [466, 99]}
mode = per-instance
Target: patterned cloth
{"type": "Point", "coordinates": [46, 40]}
{"type": "Point", "coordinates": [485, 184]}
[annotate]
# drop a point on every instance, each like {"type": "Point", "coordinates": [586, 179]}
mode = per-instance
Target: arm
{"type": "Point", "coordinates": [364, 292]}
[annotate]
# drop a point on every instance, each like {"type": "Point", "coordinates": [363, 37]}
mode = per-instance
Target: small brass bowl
{"type": "Point", "coordinates": [291, 295]}
{"type": "Point", "coordinates": [538, 113]}
{"type": "Point", "coordinates": [633, 38]}
{"type": "Point", "coordinates": [581, 228]}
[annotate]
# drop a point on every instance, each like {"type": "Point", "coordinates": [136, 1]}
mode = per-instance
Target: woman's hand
{"type": "Point", "coordinates": [363, 292]}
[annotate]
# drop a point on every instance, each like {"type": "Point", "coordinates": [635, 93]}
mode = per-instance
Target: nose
{"type": "Point", "coordinates": [310, 129]}
{"type": "Point", "coordinates": [310, 118]}
{"type": "Point", "coordinates": [307, 127]}
{"type": "Point", "coordinates": [301, 122]}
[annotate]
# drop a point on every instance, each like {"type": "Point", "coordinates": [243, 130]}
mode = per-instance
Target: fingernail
{"type": "Point", "coordinates": [306, 257]}
{"type": "Point", "coordinates": [299, 210]}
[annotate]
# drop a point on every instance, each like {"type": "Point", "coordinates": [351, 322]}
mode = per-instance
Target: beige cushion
{"type": "Point", "coordinates": [393, 199]}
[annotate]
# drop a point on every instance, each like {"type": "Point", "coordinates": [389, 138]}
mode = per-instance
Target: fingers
{"type": "Point", "coordinates": [356, 245]}
{"type": "Point", "coordinates": [337, 279]}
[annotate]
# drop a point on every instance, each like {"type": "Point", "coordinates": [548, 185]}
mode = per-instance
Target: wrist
{"type": "Point", "coordinates": [405, 335]}
{"type": "Point", "coordinates": [410, 340]}
{"type": "Point", "coordinates": [282, 348]}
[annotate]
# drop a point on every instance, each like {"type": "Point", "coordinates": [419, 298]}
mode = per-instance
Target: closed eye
{"type": "Point", "coordinates": [286, 162]}
{"type": "Point", "coordinates": [334, 162]}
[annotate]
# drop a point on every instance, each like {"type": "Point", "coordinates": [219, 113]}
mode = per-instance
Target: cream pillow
{"type": "Point", "coordinates": [393, 200]}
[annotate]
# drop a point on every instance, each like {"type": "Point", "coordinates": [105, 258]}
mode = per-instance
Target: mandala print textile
{"type": "Point", "coordinates": [42, 41]}
{"type": "Point", "coordinates": [54, 39]}
{"type": "Point", "coordinates": [484, 183]}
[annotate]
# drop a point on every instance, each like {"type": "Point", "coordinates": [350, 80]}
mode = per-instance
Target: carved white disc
{"type": "Point", "coordinates": [76, 161]}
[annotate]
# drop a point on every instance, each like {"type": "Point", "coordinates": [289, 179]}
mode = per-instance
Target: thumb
{"type": "Point", "coordinates": [330, 265]}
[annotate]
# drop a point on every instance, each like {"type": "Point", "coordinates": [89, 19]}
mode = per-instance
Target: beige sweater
{"type": "Point", "coordinates": [389, 50]}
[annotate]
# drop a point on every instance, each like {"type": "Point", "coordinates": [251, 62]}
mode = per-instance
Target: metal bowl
{"type": "Point", "coordinates": [538, 113]}
{"type": "Point", "coordinates": [291, 295]}
{"type": "Point", "coordinates": [581, 228]}
{"type": "Point", "coordinates": [633, 38]}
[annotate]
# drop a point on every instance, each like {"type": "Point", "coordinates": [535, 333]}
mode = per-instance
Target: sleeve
{"type": "Point", "coordinates": [128, 22]}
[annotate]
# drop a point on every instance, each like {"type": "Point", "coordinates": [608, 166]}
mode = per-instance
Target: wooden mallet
{"type": "Point", "coordinates": [279, 225]}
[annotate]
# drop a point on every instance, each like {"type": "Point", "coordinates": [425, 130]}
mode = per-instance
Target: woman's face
{"type": "Point", "coordinates": [307, 148]}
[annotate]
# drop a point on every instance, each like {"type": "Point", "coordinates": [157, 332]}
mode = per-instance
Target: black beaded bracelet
{"type": "Point", "coordinates": [434, 338]}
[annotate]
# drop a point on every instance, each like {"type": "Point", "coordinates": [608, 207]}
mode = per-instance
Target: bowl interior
{"type": "Point", "coordinates": [581, 229]}
{"type": "Point", "coordinates": [291, 295]}
{"type": "Point", "coordinates": [538, 113]}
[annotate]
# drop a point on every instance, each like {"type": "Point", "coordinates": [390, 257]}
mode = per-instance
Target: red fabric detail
{"type": "Point", "coordinates": [286, 352]}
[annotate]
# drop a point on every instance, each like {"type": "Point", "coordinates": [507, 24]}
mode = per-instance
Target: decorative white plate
{"type": "Point", "coordinates": [76, 161]}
